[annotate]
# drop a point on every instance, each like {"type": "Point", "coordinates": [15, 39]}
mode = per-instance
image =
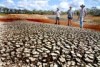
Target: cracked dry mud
{"type": "Point", "coordinates": [28, 44]}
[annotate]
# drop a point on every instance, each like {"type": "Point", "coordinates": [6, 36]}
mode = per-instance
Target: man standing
{"type": "Point", "coordinates": [57, 16]}
{"type": "Point", "coordinates": [82, 15]}
{"type": "Point", "coordinates": [70, 15]}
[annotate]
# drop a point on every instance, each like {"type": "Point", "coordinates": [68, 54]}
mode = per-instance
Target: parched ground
{"type": "Point", "coordinates": [33, 44]}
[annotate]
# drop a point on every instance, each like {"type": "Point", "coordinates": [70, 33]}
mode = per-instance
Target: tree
{"type": "Point", "coordinates": [94, 11]}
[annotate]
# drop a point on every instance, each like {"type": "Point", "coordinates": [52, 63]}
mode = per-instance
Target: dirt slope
{"type": "Point", "coordinates": [44, 19]}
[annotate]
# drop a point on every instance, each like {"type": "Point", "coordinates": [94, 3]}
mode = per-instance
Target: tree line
{"type": "Point", "coordinates": [4, 10]}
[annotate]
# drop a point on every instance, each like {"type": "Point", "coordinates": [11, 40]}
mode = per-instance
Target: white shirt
{"type": "Point", "coordinates": [82, 12]}
{"type": "Point", "coordinates": [58, 13]}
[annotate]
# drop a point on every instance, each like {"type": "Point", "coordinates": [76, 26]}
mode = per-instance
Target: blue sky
{"type": "Point", "coordinates": [49, 4]}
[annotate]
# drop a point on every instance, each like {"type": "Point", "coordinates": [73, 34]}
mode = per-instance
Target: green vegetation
{"type": "Point", "coordinates": [4, 10]}
{"type": "Point", "coordinates": [94, 11]}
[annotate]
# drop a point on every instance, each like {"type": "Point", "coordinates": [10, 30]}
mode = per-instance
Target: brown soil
{"type": "Point", "coordinates": [44, 19]}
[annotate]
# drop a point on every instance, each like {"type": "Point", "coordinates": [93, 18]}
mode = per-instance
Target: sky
{"type": "Point", "coordinates": [49, 4]}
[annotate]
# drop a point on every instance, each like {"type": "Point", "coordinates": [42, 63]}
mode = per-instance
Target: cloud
{"type": "Point", "coordinates": [42, 3]}
{"type": "Point", "coordinates": [54, 7]}
{"type": "Point", "coordinates": [22, 4]}
{"type": "Point", "coordinates": [34, 4]}
{"type": "Point", "coordinates": [98, 7]}
{"type": "Point", "coordinates": [10, 1]}
{"type": "Point", "coordinates": [64, 5]}
{"type": "Point", "coordinates": [2, 5]}
{"type": "Point", "coordinates": [77, 3]}
{"type": "Point", "coordinates": [48, 4]}
{"type": "Point", "coordinates": [45, 5]}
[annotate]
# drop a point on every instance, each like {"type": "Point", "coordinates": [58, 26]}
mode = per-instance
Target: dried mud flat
{"type": "Point", "coordinates": [26, 44]}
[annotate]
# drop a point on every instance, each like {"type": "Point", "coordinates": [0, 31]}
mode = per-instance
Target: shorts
{"type": "Point", "coordinates": [57, 18]}
{"type": "Point", "coordinates": [70, 18]}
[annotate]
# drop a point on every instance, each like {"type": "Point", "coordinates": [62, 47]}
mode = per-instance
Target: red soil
{"type": "Point", "coordinates": [74, 24]}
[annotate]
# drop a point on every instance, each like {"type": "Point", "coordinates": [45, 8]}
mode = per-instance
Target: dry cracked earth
{"type": "Point", "coordinates": [28, 44]}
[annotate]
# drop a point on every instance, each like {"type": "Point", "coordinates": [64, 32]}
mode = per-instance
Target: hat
{"type": "Point", "coordinates": [82, 5]}
{"type": "Point", "coordinates": [70, 7]}
{"type": "Point", "coordinates": [57, 8]}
